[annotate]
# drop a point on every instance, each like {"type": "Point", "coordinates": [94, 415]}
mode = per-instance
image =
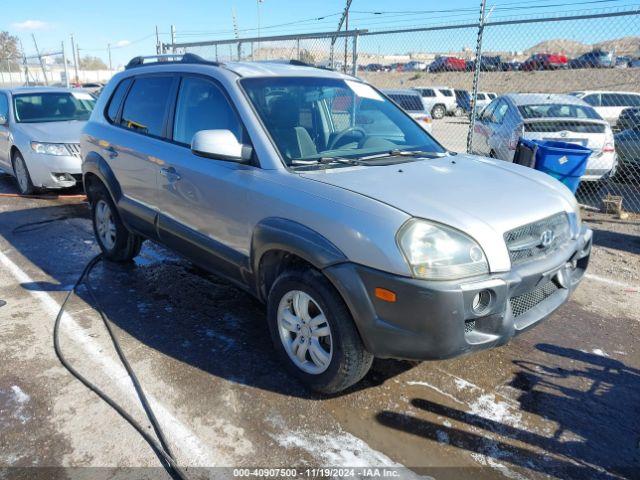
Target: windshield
{"type": "Point", "coordinates": [557, 110]}
{"type": "Point", "coordinates": [52, 106]}
{"type": "Point", "coordinates": [314, 118]}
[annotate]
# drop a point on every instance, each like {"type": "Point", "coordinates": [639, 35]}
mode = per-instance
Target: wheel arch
{"type": "Point", "coordinates": [97, 171]}
{"type": "Point", "coordinates": [279, 243]}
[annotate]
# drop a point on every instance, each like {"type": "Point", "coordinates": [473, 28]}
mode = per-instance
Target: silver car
{"type": "Point", "coordinates": [319, 196]}
{"type": "Point", "coordinates": [537, 116]}
{"type": "Point", "coordinates": [40, 136]}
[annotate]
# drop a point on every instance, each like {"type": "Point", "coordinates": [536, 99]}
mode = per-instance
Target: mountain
{"type": "Point", "coordinates": [622, 46]}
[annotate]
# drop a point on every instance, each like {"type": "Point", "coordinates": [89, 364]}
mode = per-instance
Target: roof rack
{"type": "Point", "coordinates": [169, 58]}
{"type": "Point", "coordinates": [298, 63]}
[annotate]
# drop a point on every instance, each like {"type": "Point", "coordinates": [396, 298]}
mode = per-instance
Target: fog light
{"type": "Point", "coordinates": [481, 302]}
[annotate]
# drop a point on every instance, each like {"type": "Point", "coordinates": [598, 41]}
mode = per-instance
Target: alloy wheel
{"type": "Point", "coordinates": [305, 332]}
{"type": "Point", "coordinates": [105, 225]}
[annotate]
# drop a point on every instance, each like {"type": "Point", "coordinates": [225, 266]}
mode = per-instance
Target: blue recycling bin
{"type": "Point", "coordinates": [565, 161]}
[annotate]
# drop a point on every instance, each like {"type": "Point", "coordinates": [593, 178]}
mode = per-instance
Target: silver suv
{"type": "Point", "coordinates": [313, 192]}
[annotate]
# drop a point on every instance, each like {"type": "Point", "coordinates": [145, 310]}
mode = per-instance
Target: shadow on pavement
{"type": "Point", "coordinates": [588, 441]}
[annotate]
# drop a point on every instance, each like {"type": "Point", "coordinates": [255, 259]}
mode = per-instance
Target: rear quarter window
{"type": "Point", "coordinates": [116, 100]}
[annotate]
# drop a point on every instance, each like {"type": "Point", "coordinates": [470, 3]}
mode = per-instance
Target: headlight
{"type": "Point", "coordinates": [437, 252]}
{"type": "Point", "coordinates": [49, 148]}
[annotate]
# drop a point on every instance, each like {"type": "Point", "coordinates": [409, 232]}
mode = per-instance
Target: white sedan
{"type": "Point", "coordinates": [536, 116]}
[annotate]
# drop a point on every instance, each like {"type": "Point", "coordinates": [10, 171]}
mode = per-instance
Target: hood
{"type": "Point", "coordinates": [482, 197]}
{"type": "Point", "coordinates": [53, 132]}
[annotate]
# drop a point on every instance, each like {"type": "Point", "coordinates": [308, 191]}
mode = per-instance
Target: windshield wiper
{"type": "Point", "coordinates": [326, 161]}
{"type": "Point", "coordinates": [404, 153]}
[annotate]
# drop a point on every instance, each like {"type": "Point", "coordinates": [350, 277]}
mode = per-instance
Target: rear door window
{"type": "Point", "coordinates": [446, 93]}
{"type": "Point", "coordinates": [146, 105]}
{"type": "Point", "coordinates": [499, 112]}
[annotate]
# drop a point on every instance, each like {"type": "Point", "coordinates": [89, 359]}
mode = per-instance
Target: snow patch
{"type": "Point", "coordinates": [19, 395]}
{"type": "Point", "coordinates": [433, 387]}
{"type": "Point", "coordinates": [599, 352]}
{"type": "Point", "coordinates": [489, 407]}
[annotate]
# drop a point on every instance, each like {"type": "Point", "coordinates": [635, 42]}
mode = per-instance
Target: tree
{"type": "Point", "coordinates": [92, 63]}
{"type": "Point", "coordinates": [9, 50]}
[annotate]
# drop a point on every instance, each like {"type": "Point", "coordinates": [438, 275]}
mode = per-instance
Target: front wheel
{"type": "Point", "coordinates": [314, 333]}
{"type": "Point", "coordinates": [21, 172]}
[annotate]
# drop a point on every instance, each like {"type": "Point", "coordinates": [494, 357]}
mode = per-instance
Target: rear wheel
{"type": "Point", "coordinates": [115, 241]}
{"type": "Point", "coordinates": [313, 332]}
{"type": "Point", "coordinates": [21, 172]}
{"type": "Point", "coordinates": [438, 112]}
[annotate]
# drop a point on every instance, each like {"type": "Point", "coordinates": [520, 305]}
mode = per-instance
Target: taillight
{"type": "Point", "coordinates": [608, 142]}
{"type": "Point", "coordinates": [515, 137]}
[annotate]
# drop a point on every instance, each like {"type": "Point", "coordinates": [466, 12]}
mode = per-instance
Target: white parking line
{"type": "Point", "coordinates": [610, 281]}
{"type": "Point", "coordinates": [192, 448]}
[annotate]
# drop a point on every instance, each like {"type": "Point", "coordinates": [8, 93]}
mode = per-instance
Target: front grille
{"type": "Point", "coordinates": [525, 302]}
{"type": "Point", "coordinates": [74, 149]}
{"type": "Point", "coordinates": [537, 239]}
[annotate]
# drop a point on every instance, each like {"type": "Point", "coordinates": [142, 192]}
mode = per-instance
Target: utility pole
{"type": "Point", "coordinates": [109, 50]}
{"type": "Point", "coordinates": [66, 70]}
{"type": "Point", "coordinates": [236, 33]}
{"type": "Point", "coordinates": [158, 48]}
{"type": "Point", "coordinates": [44, 72]}
{"type": "Point", "coordinates": [345, 14]}
{"type": "Point", "coordinates": [476, 77]}
{"type": "Point", "coordinates": [75, 59]}
{"type": "Point", "coordinates": [173, 39]}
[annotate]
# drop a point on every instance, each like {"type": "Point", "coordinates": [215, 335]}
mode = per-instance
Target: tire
{"type": "Point", "coordinates": [458, 112]}
{"type": "Point", "coordinates": [345, 360]}
{"type": "Point", "coordinates": [492, 154]}
{"type": "Point", "coordinates": [116, 242]}
{"type": "Point", "coordinates": [21, 174]}
{"type": "Point", "coordinates": [438, 112]}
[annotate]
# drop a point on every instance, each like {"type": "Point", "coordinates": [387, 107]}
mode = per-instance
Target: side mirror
{"type": "Point", "coordinates": [220, 144]}
{"type": "Point", "coordinates": [3, 120]}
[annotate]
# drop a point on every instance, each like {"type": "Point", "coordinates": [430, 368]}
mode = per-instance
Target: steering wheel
{"type": "Point", "coordinates": [346, 132]}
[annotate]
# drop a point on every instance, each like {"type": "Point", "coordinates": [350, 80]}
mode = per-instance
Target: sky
{"type": "Point", "coordinates": [129, 26]}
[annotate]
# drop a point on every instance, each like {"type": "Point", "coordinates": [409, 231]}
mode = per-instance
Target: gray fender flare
{"type": "Point", "coordinates": [96, 165]}
{"type": "Point", "coordinates": [292, 237]}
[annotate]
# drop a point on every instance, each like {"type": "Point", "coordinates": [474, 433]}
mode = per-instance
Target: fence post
{"type": "Point", "coordinates": [66, 70]}
{"type": "Point", "coordinates": [354, 54]}
{"type": "Point", "coordinates": [11, 73]}
{"type": "Point", "coordinates": [298, 49]}
{"type": "Point", "coordinates": [239, 51]}
{"type": "Point", "coordinates": [476, 76]}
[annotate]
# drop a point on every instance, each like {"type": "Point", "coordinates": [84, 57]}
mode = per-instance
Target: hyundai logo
{"type": "Point", "coordinates": [546, 238]}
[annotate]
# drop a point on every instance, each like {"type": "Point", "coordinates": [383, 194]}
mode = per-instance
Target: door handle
{"type": "Point", "coordinates": [112, 152]}
{"type": "Point", "coordinates": [170, 173]}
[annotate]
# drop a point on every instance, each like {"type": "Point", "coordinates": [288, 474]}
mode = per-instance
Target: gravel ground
{"type": "Point", "coordinates": [559, 401]}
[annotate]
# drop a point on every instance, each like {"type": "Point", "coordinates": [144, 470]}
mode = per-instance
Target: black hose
{"type": "Point", "coordinates": [161, 448]}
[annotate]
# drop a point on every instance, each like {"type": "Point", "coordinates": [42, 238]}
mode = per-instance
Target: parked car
{"type": "Point", "coordinates": [628, 149]}
{"type": "Point", "coordinates": [545, 61]}
{"type": "Point", "coordinates": [414, 66]}
{"type": "Point", "coordinates": [439, 101]}
{"type": "Point", "coordinates": [545, 117]}
{"type": "Point", "coordinates": [487, 63]}
{"type": "Point", "coordinates": [623, 61]}
{"type": "Point", "coordinates": [609, 105]}
{"type": "Point", "coordinates": [510, 66]}
{"type": "Point", "coordinates": [634, 63]}
{"type": "Point", "coordinates": [629, 118]}
{"type": "Point", "coordinates": [594, 59]}
{"type": "Point", "coordinates": [375, 67]}
{"type": "Point", "coordinates": [40, 135]}
{"type": "Point", "coordinates": [463, 101]}
{"type": "Point", "coordinates": [411, 102]}
{"type": "Point", "coordinates": [483, 99]}
{"type": "Point", "coordinates": [92, 87]}
{"type": "Point", "coordinates": [362, 235]}
{"type": "Point", "coordinates": [448, 64]}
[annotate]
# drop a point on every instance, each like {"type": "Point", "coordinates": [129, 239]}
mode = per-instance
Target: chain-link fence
{"type": "Point", "coordinates": [573, 78]}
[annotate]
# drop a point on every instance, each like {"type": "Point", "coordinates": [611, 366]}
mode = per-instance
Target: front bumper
{"type": "Point", "coordinates": [54, 171]}
{"type": "Point", "coordinates": [434, 320]}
